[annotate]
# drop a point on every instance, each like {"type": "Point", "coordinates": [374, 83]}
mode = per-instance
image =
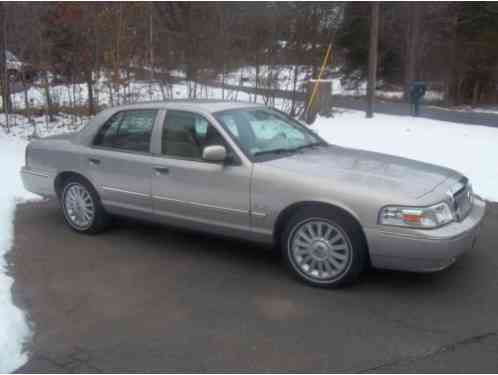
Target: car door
{"type": "Point", "coordinates": [119, 161]}
{"type": "Point", "coordinates": [190, 191]}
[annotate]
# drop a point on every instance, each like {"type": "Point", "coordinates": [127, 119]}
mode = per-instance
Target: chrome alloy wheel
{"type": "Point", "coordinates": [79, 207]}
{"type": "Point", "coordinates": [320, 250]}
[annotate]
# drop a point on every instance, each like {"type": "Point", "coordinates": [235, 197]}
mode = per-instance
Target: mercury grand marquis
{"type": "Point", "coordinates": [251, 172]}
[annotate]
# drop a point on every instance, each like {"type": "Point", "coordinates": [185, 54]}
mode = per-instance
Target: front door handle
{"type": "Point", "coordinates": [161, 170]}
{"type": "Point", "coordinates": [94, 161]}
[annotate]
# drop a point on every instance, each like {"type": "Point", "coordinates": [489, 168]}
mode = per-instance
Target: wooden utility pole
{"type": "Point", "coordinates": [372, 57]}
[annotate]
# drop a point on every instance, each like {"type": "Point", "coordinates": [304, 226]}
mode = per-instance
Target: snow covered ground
{"type": "Point", "coordinates": [135, 91]}
{"type": "Point", "coordinates": [469, 149]}
{"type": "Point", "coordinates": [14, 330]}
{"type": "Point", "coordinates": [281, 77]}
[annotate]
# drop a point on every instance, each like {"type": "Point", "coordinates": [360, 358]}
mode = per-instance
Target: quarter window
{"type": "Point", "coordinates": [128, 130]}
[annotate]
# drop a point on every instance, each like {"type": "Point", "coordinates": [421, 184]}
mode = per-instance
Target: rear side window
{"type": "Point", "coordinates": [128, 130]}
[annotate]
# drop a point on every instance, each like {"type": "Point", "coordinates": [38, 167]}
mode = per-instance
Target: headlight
{"type": "Point", "coordinates": [417, 217]}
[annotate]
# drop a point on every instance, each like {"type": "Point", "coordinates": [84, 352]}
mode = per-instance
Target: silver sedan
{"type": "Point", "coordinates": [251, 172]}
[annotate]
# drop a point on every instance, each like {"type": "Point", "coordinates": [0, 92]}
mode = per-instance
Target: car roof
{"type": "Point", "coordinates": [205, 105]}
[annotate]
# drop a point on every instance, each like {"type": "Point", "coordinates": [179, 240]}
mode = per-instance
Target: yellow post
{"type": "Point", "coordinates": [322, 68]}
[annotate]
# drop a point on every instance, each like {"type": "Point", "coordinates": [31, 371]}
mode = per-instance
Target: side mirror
{"type": "Point", "coordinates": [214, 153]}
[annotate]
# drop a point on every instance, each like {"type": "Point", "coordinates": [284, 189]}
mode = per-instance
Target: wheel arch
{"type": "Point", "coordinates": [63, 176]}
{"type": "Point", "coordinates": [287, 212]}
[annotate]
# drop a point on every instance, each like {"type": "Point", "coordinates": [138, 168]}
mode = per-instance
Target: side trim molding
{"type": "Point", "coordinates": [28, 171]}
{"type": "Point", "coordinates": [203, 205]}
{"type": "Point", "coordinates": [108, 188]}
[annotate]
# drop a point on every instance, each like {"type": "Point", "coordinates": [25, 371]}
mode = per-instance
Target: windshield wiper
{"type": "Point", "coordinates": [309, 145]}
{"type": "Point", "coordinates": [288, 150]}
{"type": "Point", "coordinates": [276, 151]}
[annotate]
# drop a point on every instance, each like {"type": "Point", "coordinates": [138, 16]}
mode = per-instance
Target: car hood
{"type": "Point", "coordinates": [404, 176]}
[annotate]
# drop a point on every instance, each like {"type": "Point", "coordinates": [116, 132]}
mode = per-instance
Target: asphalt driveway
{"type": "Point", "coordinates": [145, 298]}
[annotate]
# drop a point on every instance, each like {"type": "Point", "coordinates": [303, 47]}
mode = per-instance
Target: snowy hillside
{"type": "Point", "coordinates": [282, 77]}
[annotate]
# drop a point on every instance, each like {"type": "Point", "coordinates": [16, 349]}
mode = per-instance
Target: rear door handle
{"type": "Point", "coordinates": [161, 170]}
{"type": "Point", "coordinates": [94, 161]}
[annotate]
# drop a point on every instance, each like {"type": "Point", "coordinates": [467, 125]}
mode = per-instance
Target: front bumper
{"type": "Point", "coordinates": [425, 250]}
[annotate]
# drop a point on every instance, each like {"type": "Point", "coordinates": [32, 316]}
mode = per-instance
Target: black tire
{"type": "Point", "coordinates": [352, 234]}
{"type": "Point", "coordinates": [100, 219]}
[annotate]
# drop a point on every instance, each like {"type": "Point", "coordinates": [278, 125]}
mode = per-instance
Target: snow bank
{"type": "Point", "coordinates": [14, 329]}
{"type": "Point", "coordinates": [469, 149]}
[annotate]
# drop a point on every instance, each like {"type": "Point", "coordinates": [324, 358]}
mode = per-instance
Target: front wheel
{"type": "Point", "coordinates": [324, 247]}
{"type": "Point", "coordinates": [81, 206]}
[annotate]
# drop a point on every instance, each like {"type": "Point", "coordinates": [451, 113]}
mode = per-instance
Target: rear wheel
{"type": "Point", "coordinates": [324, 247]}
{"type": "Point", "coordinates": [81, 206]}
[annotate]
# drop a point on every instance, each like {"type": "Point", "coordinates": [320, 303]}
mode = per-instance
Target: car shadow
{"type": "Point", "coordinates": [247, 257]}
{"type": "Point", "coordinates": [267, 258]}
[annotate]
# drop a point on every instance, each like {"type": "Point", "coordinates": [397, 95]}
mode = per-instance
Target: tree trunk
{"type": "Point", "coordinates": [294, 89]}
{"type": "Point", "coordinates": [96, 66]}
{"type": "Point", "coordinates": [372, 58]}
{"type": "Point", "coordinates": [413, 46]}
{"type": "Point", "coordinates": [453, 76]}
{"type": "Point", "coordinates": [475, 93]}
{"type": "Point", "coordinates": [7, 103]}
{"type": "Point", "coordinates": [48, 99]}
{"type": "Point", "coordinates": [151, 48]}
{"type": "Point", "coordinates": [72, 99]}
{"type": "Point", "coordinates": [256, 83]}
{"type": "Point", "coordinates": [44, 74]}
{"type": "Point", "coordinates": [25, 89]}
{"type": "Point", "coordinates": [460, 94]}
{"type": "Point", "coordinates": [89, 84]}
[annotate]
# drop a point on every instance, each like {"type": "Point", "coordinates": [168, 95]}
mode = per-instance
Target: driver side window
{"type": "Point", "coordinates": [185, 134]}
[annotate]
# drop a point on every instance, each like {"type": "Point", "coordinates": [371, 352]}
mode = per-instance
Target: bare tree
{"type": "Point", "coordinates": [372, 57]}
{"type": "Point", "coordinates": [413, 37]}
{"type": "Point", "coordinates": [6, 100]}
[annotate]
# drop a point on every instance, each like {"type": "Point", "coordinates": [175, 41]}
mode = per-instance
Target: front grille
{"type": "Point", "coordinates": [462, 201]}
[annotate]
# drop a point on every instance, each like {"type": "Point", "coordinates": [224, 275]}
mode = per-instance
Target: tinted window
{"type": "Point", "coordinates": [185, 135]}
{"type": "Point", "coordinates": [128, 130]}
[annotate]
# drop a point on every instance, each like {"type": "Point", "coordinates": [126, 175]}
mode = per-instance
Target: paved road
{"type": "Point", "coordinates": [147, 298]}
{"type": "Point", "coordinates": [432, 112]}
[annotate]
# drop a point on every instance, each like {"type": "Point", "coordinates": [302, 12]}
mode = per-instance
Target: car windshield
{"type": "Point", "coordinates": [266, 133]}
